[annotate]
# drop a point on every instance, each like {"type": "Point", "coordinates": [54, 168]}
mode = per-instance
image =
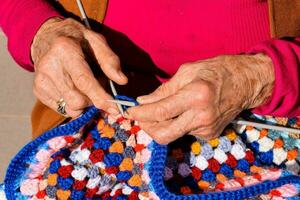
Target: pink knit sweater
{"type": "Point", "coordinates": [175, 32]}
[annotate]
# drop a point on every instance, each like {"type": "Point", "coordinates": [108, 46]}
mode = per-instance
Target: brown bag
{"type": "Point", "coordinates": [284, 21]}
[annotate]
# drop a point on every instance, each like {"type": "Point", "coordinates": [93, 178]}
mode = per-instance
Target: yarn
{"type": "Point", "coordinates": [112, 158]}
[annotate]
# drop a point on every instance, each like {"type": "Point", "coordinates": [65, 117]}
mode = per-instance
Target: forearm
{"type": "Point", "coordinates": [285, 98]}
{"type": "Point", "coordinates": [20, 20]}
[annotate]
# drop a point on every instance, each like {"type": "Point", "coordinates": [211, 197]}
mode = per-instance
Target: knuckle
{"type": "Point", "coordinates": [61, 44]}
{"type": "Point", "coordinates": [76, 103]}
{"type": "Point", "coordinates": [114, 58]}
{"type": "Point", "coordinates": [163, 89]}
{"type": "Point", "coordinates": [161, 113]}
{"type": "Point", "coordinates": [83, 82]}
{"type": "Point", "coordinates": [207, 93]}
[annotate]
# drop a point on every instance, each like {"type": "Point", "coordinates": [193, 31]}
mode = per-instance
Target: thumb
{"type": "Point", "coordinates": [107, 59]}
{"type": "Point", "coordinates": [178, 81]}
{"type": "Point", "coordinates": [164, 90]}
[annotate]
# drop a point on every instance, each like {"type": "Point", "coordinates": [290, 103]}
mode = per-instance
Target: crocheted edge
{"type": "Point", "coordinates": [156, 172]}
{"type": "Point", "coordinates": [17, 165]}
{"type": "Point", "coordinates": [156, 167]}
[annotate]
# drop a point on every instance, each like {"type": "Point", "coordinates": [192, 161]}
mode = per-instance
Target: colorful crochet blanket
{"type": "Point", "coordinates": [98, 156]}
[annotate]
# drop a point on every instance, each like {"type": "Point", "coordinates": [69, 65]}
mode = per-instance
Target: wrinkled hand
{"type": "Point", "coordinates": [204, 96]}
{"type": "Point", "coordinates": [59, 54]}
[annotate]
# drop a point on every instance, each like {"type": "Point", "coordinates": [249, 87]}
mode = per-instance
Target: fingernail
{"type": "Point", "coordinates": [113, 111]}
{"type": "Point", "coordinates": [121, 75]}
{"type": "Point", "coordinates": [140, 99]}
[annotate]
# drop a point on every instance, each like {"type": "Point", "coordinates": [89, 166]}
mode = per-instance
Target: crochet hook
{"type": "Point", "coordinates": [86, 22]}
{"type": "Point", "coordinates": [122, 102]}
{"type": "Point", "coordinates": [266, 126]}
{"type": "Point", "coordinates": [237, 122]}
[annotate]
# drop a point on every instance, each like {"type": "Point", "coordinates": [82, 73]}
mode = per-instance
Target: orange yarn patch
{"type": "Point", "coordinates": [263, 133]}
{"type": "Point", "coordinates": [238, 173]}
{"type": "Point", "coordinates": [203, 185]}
{"type": "Point", "coordinates": [63, 194]}
{"type": "Point", "coordinates": [221, 178]}
{"type": "Point", "coordinates": [278, 143]}
{"type": "Point", "coordinates": [52, 179]}
{"type": "Point", "coordinates": [108, 131]}
{"type": "Point", "coordinates": [116, 147]}
{"type": "Point", "coordinates": [255, 169]}
{"type": "Point", "coordinates": [135, 181]}
{"type": "Point", "coordinates": [292, 154]}
{"type": "Point", "coordinates": [214, 142]}
{"type": "Point", "coordinates": [100, 125]}
{"type": "Point", "coordinates": [230, 134]}
{"type": "Point", "coordinates": [126, 164]}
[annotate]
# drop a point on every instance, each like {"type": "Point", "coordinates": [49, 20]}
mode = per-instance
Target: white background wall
{"type": "Point", "coordinates": [16, 101]}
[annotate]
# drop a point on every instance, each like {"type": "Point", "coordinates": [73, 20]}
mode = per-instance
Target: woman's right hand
{"type": "Point", "coordinates": [58, 52]}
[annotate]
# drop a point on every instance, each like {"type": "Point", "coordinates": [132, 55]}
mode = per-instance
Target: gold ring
{"type": "Point", "coordinates": [61, 106]}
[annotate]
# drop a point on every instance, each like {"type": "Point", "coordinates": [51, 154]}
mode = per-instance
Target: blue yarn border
{"type": "Point", "coordinates": [156, 172]}
{"type": "Point", "coordinates": [156, 166]}
{"type": "Point", "coordinates": [18, 164]}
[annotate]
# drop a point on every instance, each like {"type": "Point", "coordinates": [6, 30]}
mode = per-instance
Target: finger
{"type": "Point", "coordinates": [75, 100]}
{"type": "Point", "coordinates": [107, 59]}
{"type": "Point", "coordinates": [168, 131]}
{"type": "Point", "coordinates": [211, 131]}
{"type": "Point", "coordinates": [178, 81]}
{"type": "Point", "coordinates": [43, 86]}
{"type": "Point", "coordinates": [164, 90]}
{"type": "Point", "coordinates": [51, 103]}
{"type": "Point", "coordinates": [85, 81]}
{"type": "Point", "coordinates": [164, 109]}
{"type": "Point", "coordinates": [46, 91]}
{"type": "Point", "coordinates": [205, 133]}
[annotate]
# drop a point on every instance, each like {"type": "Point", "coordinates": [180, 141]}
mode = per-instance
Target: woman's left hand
{"type": "Point", "coordinates": [204, 96]}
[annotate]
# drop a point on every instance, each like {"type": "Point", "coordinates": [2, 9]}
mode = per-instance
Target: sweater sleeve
{"type": "Point", "coordinates": [285, 99]}
{"type": "Point", "coordinates": [20, 20]}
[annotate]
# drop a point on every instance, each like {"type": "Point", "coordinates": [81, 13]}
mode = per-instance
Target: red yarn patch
{"type": "Point", "coordinates": [196, 173]}
{"type": "Point", "coordinates": [69, 139]}
{"type": "Point", "coordinates": [91, 192]}
{"type": "Point", "coordinates": [139, 147]}
{"type": "Point", "coordinates": [112, 170]}
{"type": "Point", "coordinates": [213, 165]}
{"type": "Point", "coordinates": [134, 195]}
{"type": "Point", "coordinates": [231, 161]}
{"type": "Point", "coordinates": [65, 171]}
{"type": "Point", "coordinates": [134, 129]}
{"type": "Point", "coordinates": [79, 185]}
{"type": "Point", "coordinates": [88, 142]}
{"type": "Point", "coordinates": [249, 156]}
{"type": "Point", "coordinates": [41, 194]}
{"type": "Point", "coordinates": [97, 156]}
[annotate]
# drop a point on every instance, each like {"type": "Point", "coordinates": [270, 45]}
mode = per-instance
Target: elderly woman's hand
{"type": "Point", "coordinates": [204, 96]}
{"type": "Point", "coordinates": [59, 54]}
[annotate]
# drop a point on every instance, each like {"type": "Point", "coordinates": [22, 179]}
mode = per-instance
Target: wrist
{"type": "Point", "coordinates": [37, 47]}
{"type": "Point", "coordinates": [51, 30]}
{"type": "Point", "coordinates": [260, 79]}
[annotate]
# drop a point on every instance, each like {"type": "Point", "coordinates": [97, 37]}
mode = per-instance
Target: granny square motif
{"type": "Point", "coordinates": [98, 156]}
